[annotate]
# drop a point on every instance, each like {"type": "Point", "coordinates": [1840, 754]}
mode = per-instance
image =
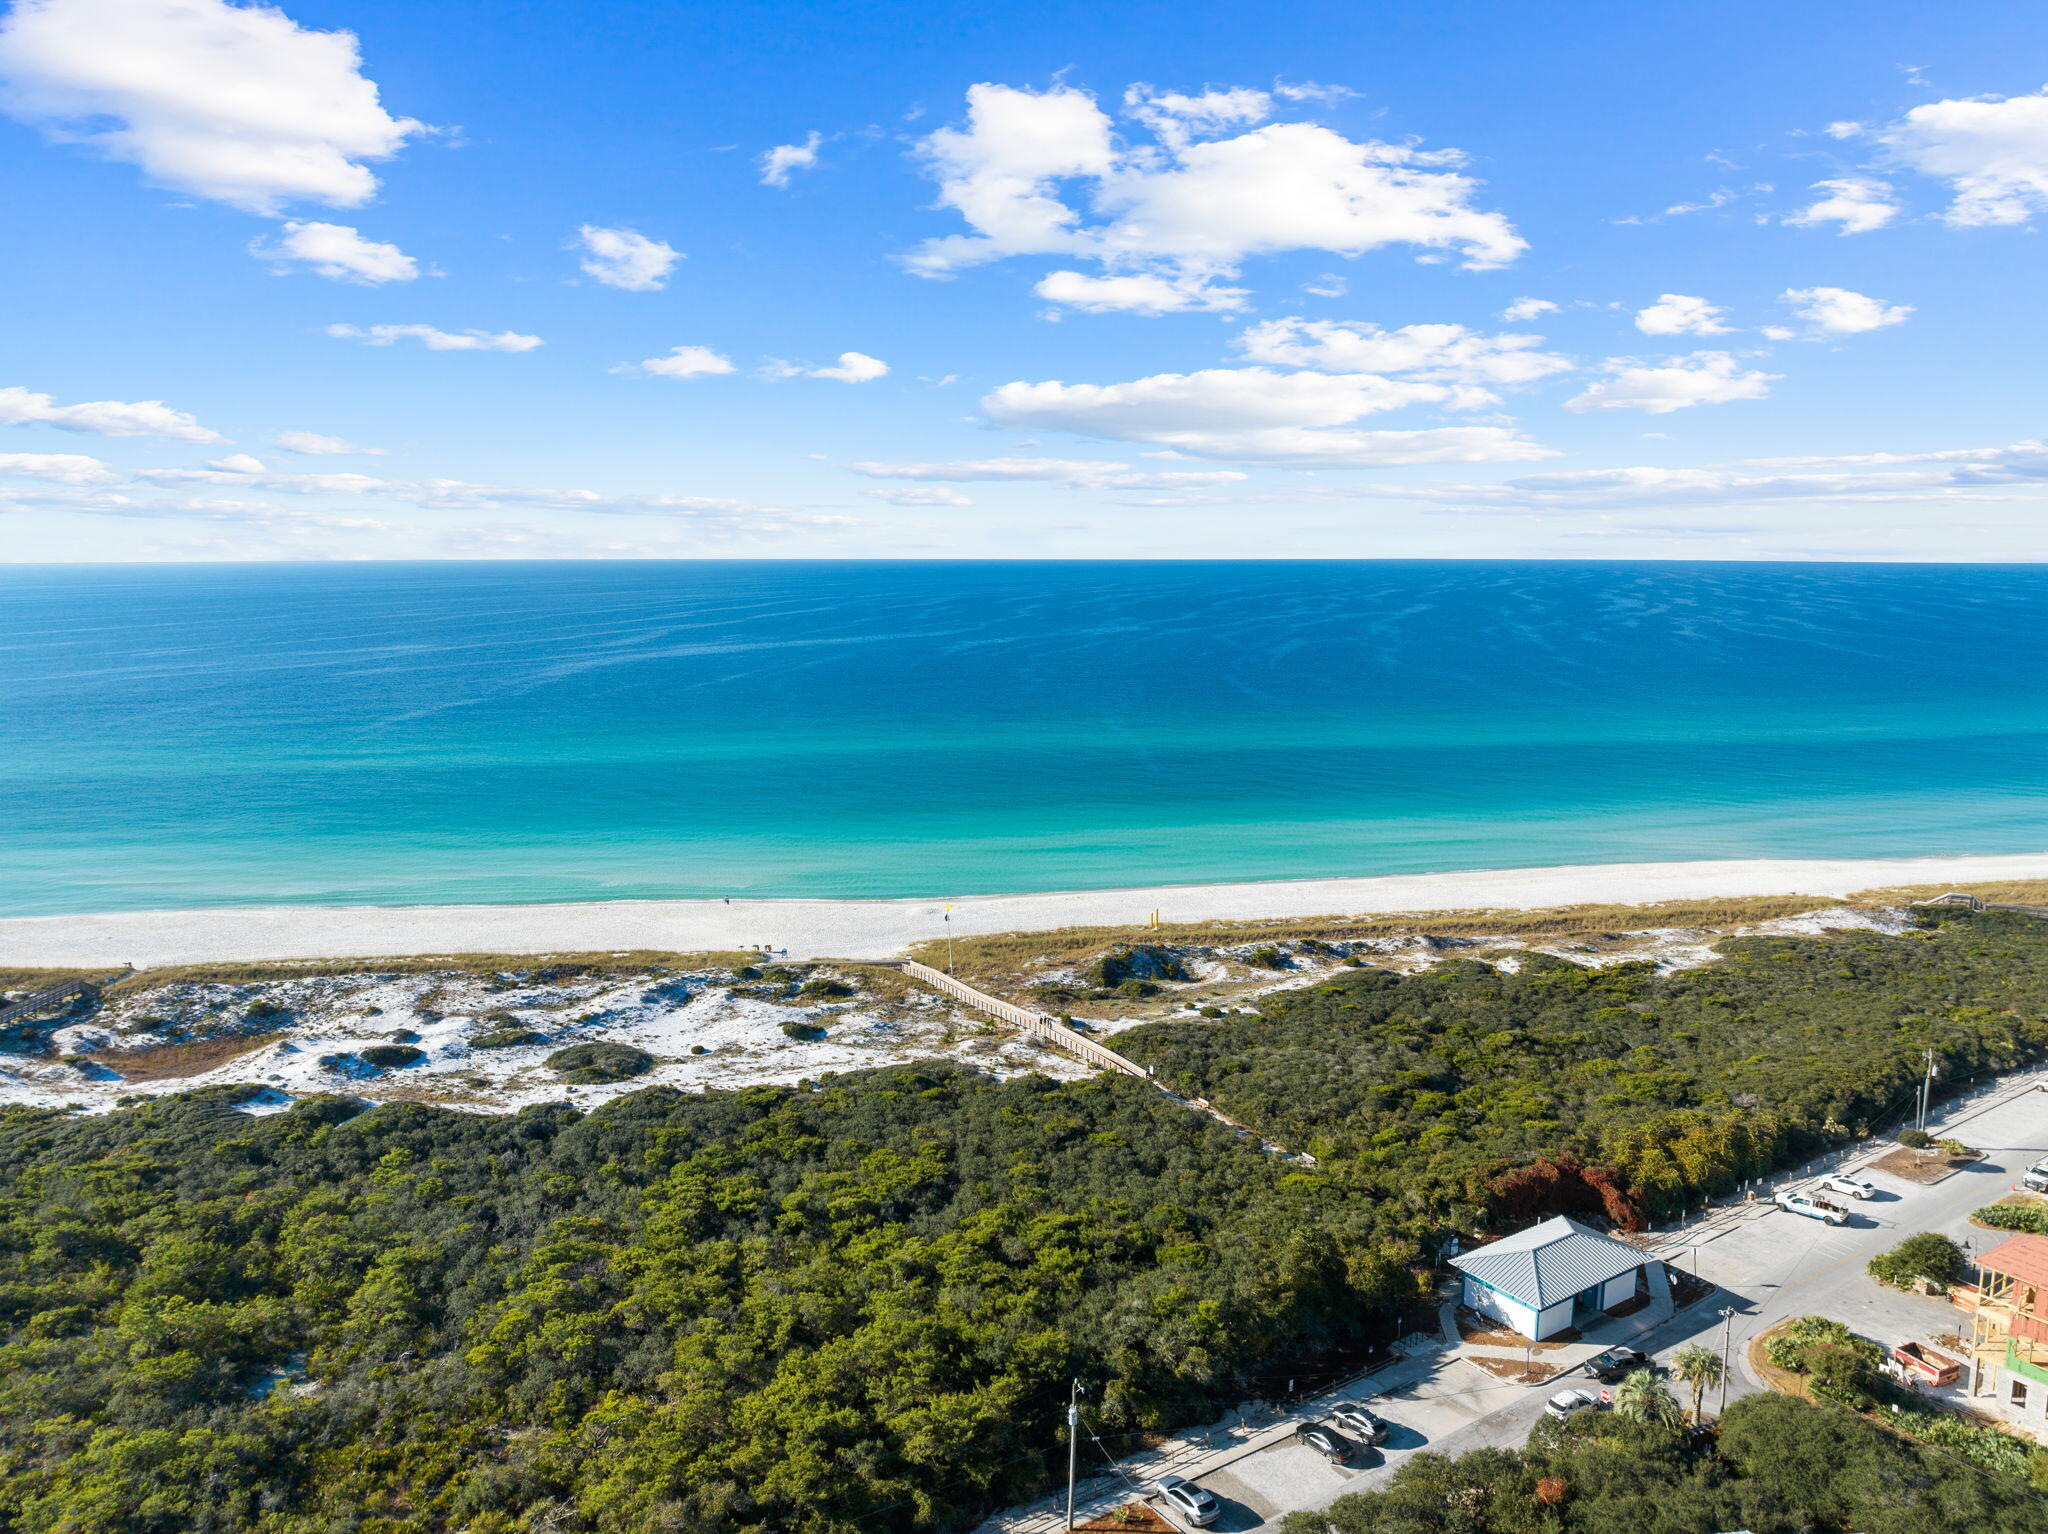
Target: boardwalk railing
{"type": "Point", "coordinates": [1043, 1024]}
{"type": "Point", "coordinates": [1979, 903]}
{"type": "Point", "coordinates": [50, 996]}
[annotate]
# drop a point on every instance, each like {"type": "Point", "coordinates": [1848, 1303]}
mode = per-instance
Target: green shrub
{"type": "Point", "coordinates": [507, 1038]}
{"type": "Point", "coordinates": [1140, 962]}
{"type": "Point", "coordinates": [259, 1010]}
{"type": "Point", "coordinates": [1915, 1139]}
{"type": "Point", "coordinates": [1953, 1147]}
{"type": "Point", "coordinates": [588, 1064]}
{"type": "Point", "coordinates": [808, 1033]}
{"type": "Point", "coordinates": [827, 988]}
{"type": "Point", "coordinates": [391, 1056]}
{"type": "Point", "coordinates": [1267, 958]}
{"type": "Point", "coordinates": [1928, 1255]}
{"type": "Point", "coordinates": [2031, 1218]}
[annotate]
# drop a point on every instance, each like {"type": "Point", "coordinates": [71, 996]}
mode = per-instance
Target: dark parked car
{"type": "Point", "coordinates": [1359, 1421]}
{"type": "Point", "coordinates": [1326, 1441]}
{"type": "Point", "coordinates": [1615, 1364]}
{"type": "Point", "coordinates": [1197, 1506]}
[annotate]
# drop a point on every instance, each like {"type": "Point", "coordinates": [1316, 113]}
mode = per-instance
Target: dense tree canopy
{"type": "Point", "coordinates": [849, 1308]}
{"type": "Point", "coordinates": [1433, 1085]}
{"type": "Point", "coordinates": [856, 1306]}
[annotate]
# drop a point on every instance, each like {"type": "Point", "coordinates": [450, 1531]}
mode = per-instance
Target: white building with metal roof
{"type": "Point", "coordinates": [1556, 1275]}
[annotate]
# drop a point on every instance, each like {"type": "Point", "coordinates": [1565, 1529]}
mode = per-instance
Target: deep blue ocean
{"type": "Point", "coordinates": [181, 735]}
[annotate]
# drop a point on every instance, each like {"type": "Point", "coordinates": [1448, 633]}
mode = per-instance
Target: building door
{"type": "Point", "coordinates": [1586, 1306]}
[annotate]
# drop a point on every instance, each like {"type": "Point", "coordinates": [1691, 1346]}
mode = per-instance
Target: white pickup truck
{"type": "Point", "coordinates": [1812, 1206]}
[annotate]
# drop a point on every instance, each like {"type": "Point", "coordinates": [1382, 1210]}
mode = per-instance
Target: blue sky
{"type": "Point", "coordinates": [1600, 281]}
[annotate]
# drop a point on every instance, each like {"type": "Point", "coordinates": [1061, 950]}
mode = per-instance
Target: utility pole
{"type": "Point", "coordinates": [1727, 1322]}
{"type": "Point", "coordinates": [1926, 1090]}
{"type": "Point", "coordinates": [1073, 1444]}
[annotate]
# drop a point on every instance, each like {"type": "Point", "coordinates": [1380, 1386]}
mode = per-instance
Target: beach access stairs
{"type": "Point", "coordinates": [1054, 1031]}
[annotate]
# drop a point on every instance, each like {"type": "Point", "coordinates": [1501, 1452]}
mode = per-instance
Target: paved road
{"type": "Point", "coordinates": [1767, 1265]}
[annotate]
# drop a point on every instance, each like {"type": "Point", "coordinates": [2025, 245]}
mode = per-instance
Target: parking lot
{"type": "Point", "coordinates": [1766, 1265]}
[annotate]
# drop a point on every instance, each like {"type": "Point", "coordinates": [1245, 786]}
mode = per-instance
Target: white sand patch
{"type": "Point", "coordinates": [699, 1030]}
{"type": "Point", "coordinates": [882, 928]}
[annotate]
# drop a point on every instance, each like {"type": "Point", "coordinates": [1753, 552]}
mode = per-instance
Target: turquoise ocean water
{"type": "Point", "coordinates": [182, 736]}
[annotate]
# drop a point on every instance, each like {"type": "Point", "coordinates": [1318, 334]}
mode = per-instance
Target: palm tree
{"type": "Point", "coordinates": [1642, 1398]}
{"type": "Point", "coordinates": [1701, 1368]}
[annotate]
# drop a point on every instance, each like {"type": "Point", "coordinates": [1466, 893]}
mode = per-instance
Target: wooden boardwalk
{"type": "Point", "coordinates": [1046, 1026]}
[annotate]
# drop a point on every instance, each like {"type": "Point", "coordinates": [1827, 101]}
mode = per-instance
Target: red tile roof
{"type": "Point", "coordinates": [2022, 1257]}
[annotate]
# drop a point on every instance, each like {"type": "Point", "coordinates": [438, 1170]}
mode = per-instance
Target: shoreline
{"type": "Point", "coordinates": [874, 929]}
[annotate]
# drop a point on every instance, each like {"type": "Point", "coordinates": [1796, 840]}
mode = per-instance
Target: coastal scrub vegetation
{"type": "Point", "coordinates": [1833, 1364]}
{"type": "Point", "coordinates": [856, 1306]}
{"type": "Point", "coordinates": [1775, 1466]}
{"type": "Point", "coordinates": [825, 1311]}
{"type": "Point", "coordinates": [1000, 954]}
{"type": "Point", "coordinates": [1508, 1091]}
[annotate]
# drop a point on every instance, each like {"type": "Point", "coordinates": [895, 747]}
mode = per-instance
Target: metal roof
{"type": "Point", "coordinates": [2022, 1257]}
{"type": "Point", "coordinates": [1550, 1262]}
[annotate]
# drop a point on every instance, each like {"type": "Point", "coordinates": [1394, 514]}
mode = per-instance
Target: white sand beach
{"type": "Point", "coordinates": [884, 928]}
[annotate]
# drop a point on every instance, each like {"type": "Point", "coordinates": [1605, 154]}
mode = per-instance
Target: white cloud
{"type": "Point", "coordinates": [1701, 378]}
{"type": "Point", "coordinates": [1256, 415]}
{"type": "Point", "coordinates": [57, 468]}
{"type": "Point", "coordinates": [1842, 312]}
{"type": "Point", "coordinates": [318, 445]}
{"type": "Point", "coordinates": [1138, 293]}
{"type": "Point", "coordinates": [852, 367]}
{"type": "Point", "coordinates": [1078, 473]}
{"type": "Point", "coordinates": [1437, 353]}
{"type": "Point", "coordinates": [438, 340]}
{"type": "Point", "coordinates": [1175, 118]}
{"type": "Point", "coordinates": [236, 103]}
{"type": "Point", "coordinates": [1309, 90]}
{"type": "Point", "coordinates": [1188, 208]}
{"type": "Point", "coordinates": [779, 163]}
{"type": "Point", "coordinates": [1527, 309]}
{"type": "Point", "coordinates": [244, 473]}
{"type": "Point", "coordinates": [1992, 151]}
{"type": "Point", "coordinates": [109, 418]}
{"type": "Point", "coordinates": [1329, 285]}
{"type": "Point", "coordinates": [623, 258]}
{"type": "Point", "coordinates": [930, 496]}
{"type": "Point", "coordinates": [1858, 203]}
{"type": "Point", "coordinates": [1677, 314]}
{"type": "Point", "coordinates": [2021, 462]}
{"type": "Point", "coordinates": [681, 362]}
{"type": "Point", "coordinates": [338, 252]}
{"type": "Point", "coordinates": [1958, 477]}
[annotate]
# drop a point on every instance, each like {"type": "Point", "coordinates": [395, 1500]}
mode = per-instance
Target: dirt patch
{"type": "Point", "coordinates": [1923, 1167]}
{"type": "Point", "coordinates": [1131, 1518]}
{"type": "Point", "coordinates": [170, 1062]}
{"type": "Point", "coordinates": [1784, 1381]}
{"type": "Point", "coordinates": [1515, 1371]}
{"type": "Point", "coordinates": [1489, 1333]}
